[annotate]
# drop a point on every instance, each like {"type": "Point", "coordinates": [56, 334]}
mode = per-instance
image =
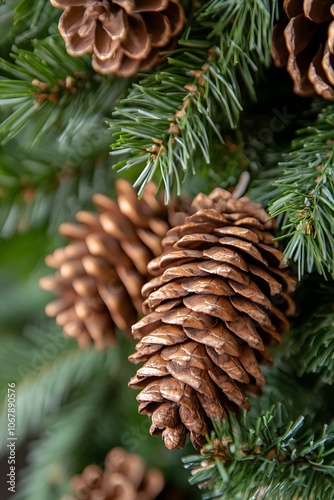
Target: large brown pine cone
{"type": "Point", "coordinates": [220, 295]}
{"type": "Point", "coordinates": [101, 272]}
{"type": "Point", "coordinates": [124, 36]}
{"type": "Point", "coordinates": [303, 40]}
{"type": "Point", "coordinates": [124, 478]}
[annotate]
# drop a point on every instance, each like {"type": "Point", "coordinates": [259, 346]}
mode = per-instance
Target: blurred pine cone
{"type": "Point", "coordinates": [101, 272]}
{"type": "Point", "coordinates": [303, 40]}
{"type": "Point", "coordinates": [124, 478]}
{"type": "Point", "coordinates": [124, 36]}
{"type": "Point", "coordinates": [219, 296]}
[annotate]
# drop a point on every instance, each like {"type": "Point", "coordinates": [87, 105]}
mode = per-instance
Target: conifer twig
{"type": "Point", "coordinates": [49, 90]}
{"type": "Point", "coordinates": [270, 457]}
{"type": "Point", "coordinates": [316, 336]}
{"type": "Point", "coordinates": [305, 205]}
{"type": "Point", "coordinates": [171, 116]}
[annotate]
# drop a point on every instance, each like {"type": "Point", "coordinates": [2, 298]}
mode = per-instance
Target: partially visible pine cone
{"type": "Point", "coordinates": [220, 295]}
{"type": "Point", "coordinates": [124, 478]}
{"type": "Point", "coordinates": [101, 272]}
{"type": "Point", "coordinates": [303, 40]}
{"type": "Point", "coordinates": [124, 36]}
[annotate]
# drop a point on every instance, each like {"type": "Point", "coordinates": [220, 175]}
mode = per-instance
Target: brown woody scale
{"type": "Point", "coordinates": [220, 295]}
{"type": "Point", "coordinates": [101, 272]}
{"type": "Point", "coordinates": [303, 40]}
{"type": "Point", "coordinates": [124, 478]}
{"type": "Point", "coordinates": [124, 36]}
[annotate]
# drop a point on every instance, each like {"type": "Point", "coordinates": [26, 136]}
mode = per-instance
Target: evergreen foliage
{"type": "Point", "coordinates": [271, 456]}
{"type": "Point", "coordinates": [38, 376]}
{"type": "Point", "coordinates": [33, 18]}
{"type": "Point", "coordinates": [306, 200]}
{"type": "Point", "coordinates": [171, 116]}
{"type": "Point", "coordinates": [316, 335]}
{"type": "Point", "coordinates": [197, 121]}
{"type": "Point", "coordinates": [47, 76]}
{"type": "Point", "coordinates": [45, 186]}
{"type": "Point", "coordinates": [51, 458]}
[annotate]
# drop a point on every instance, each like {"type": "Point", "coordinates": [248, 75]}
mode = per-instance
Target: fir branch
{"type": "Point", "coordinates": [45, 371]}
{"type": "Point", "coordinates": [21, 21]}
{"type": "Point", "coordinates": [6, 25]}
{"type": "Point", "coordinates": [233, 16]}
{"type": "Point", "coordinates": [47, 185]}
{"type": "Point", "coordinates": [316, 336]}
{"type": "Point", "coordinates": [301, 395]}
{"type": "Point", "coordinates": [33, 18]}
{"type": "Point", "coordinates": [263, 189]}
{"type": "Point", "coordinates": [306, 201]}
{"type": "Point", "coordinates": [51, 90]}
{"type": "Point", "coordinates": [172, 115]}
{"type": "Point", "coordinates": [52, 460]}
{"type": "Point", "coordinates": [270, 457]}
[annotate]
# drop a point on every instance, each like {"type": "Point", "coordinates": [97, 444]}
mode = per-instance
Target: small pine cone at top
{"type": "Point", "coordinates": [124, 477]}
{"type": "Point", "coordinates": [124, 36]}
{"type": "Point", "coordinates": [220, 295]}
{"type": "Point", "coordinates": [303, 41]}
{"type": "Point", "coordinates": [101, 272]}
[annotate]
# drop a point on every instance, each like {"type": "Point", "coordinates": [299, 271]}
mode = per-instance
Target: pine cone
{"type": "Point", "coordinates": [124, 478]}
{"type": "Point", "coordinates": [219, 296]}
{"type": "Point", "coordinates": [101, 272]}
{"type": "Point", "coordinates": [124, 36]}
{"type": "Point", "coordinates": [303, 40]}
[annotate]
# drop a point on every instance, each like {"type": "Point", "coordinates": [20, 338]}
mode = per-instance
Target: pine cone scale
{"type": "Point", "coordinates": [238, 232]}
{"type": "Point", "coordinates": [229, 364]}
{"type": "Point", "coordinates": [138, 46]}
{"type": "Point", "coordinates": [166, 415]}
{"type": "Point", "coordinates": [300, 42]}
{"type": "Point", "coordinates": [327, 60]}
{"type": "Point", "coordinates": [115, 26]}
{"type": "Point", "coordinates": [252, 292]}
{"type": "Point", "coordinates": [229, 388]}
{"type": "Point", "coordinates": [158, 27]}
{"type": "Point", "coordinates": [225, 271]}
{"type": "Point", "coordinates": [245, 330]}
{"type": "Point", "coordinates": [188, 318]}
{"type": "Point", "coordinates": [252, 310]}
{"type": "Point", "coordinates": [104, 46]}
{"type": "Point", "coordinates": [319, 12]}
{"type": "Point", "coordinates": [219, 307]}
{"type": "Point", "coordinates": [173, 290]}
{"type": "Point", "coordinates": [196, 240]}
{"type": "Point", "coordinates": [226, 256]}
{"type": "Point", "coordinates": [193, 419]}
{"type": "Point", "coordinates": [250, 223]}
{"type": "Point", "coordinates": [190, 352]}
{"type": "Point", "coordinates": [207, 285]}
{"type": "Point", "coordinates": [151, 394]}
{"type": "Point", "coordinates": [217, 337]}
{"type": "Point", "coordinates": [184, 270]}
{"type": "Point", "coordinates": [258, 272]}
{"type": "Point", "coordinates": [250, 364]}
{"type": "Point", "coordinates": [166, 335]}
{"type": "Point", "coordinates": [212, 407]}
